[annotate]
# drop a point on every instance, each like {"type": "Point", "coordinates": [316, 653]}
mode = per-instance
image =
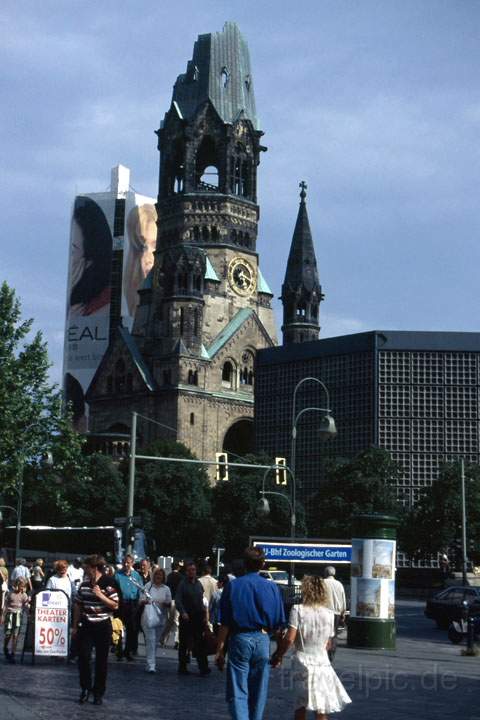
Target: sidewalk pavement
{"type": "Point", "coordinates": [425, 678]}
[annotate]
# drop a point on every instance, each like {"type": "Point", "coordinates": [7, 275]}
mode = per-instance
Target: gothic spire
{"type": "Point", "coordinates": [301, 289]}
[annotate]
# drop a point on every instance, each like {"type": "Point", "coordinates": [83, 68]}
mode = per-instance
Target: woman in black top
{"type": "Point", "coordinates": [96, 601]}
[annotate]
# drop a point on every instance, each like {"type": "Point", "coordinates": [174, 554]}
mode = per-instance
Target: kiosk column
{"type": "Point", "coordinates": [372, 606]}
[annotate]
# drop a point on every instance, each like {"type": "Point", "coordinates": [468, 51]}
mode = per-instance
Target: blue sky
{"type": "Point", "coordinates": [375, 104]}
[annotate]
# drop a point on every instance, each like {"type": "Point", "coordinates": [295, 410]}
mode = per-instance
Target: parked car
{"type": "Point", "coordinates": [278, 576]}
{"type": "Point", "coordinates": [446, 606]}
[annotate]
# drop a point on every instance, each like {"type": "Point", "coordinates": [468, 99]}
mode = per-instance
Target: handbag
{"type": "Point", "coordinates": [209, 641]}
{"type": "Point", "coordinates": [152, 616]}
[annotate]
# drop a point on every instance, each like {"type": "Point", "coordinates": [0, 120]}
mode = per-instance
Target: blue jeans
{"type": "Point", "coordinates": [248, 671]}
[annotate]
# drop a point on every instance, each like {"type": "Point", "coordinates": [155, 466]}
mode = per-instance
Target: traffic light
{"type": "Point", "coordinates": [281, 472]}
{"type": "Point", "coordinates": [222, 466]}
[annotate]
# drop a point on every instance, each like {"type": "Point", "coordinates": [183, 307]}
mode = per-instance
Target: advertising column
{"type": "Point", "coordinates": [372, 606]}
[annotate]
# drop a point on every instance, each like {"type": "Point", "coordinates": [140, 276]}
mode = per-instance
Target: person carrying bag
{"type": "Point", "coordinates": [157, 600]}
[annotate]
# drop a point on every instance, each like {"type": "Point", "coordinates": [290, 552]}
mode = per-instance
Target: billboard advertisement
{"type": "Point", "coordinates": [116, 221]}
{"type": "Point", "coordinates": [88, 296]}
{"type": "Point", "coordinates": [138, 251]}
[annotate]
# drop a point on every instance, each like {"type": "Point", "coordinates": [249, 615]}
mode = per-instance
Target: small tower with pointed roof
{"type": "Point", "coordinates": [301, 289]}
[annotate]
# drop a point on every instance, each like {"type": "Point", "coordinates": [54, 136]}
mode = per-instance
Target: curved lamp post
{"type": "Point", "coordinates": [264, 506]}
{"type": "Point", "coordinates": [327, 426]}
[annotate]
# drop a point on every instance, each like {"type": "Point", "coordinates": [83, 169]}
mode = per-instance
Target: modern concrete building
{"type": "Point", "coordinates": [416, 394]}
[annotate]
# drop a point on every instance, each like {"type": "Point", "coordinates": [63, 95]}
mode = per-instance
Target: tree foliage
{"type": "Point", "coordinates": [174, 500]}
{"type": "Point", "coordinates": [32, 420]}
{"type": "Point", "coordinates": [235, 509]}
{"type": "Point", "coordinates": [361, 485]}
{"type": "Point", "coordinates": [436, 520]}
{"type": "Point", "coordinates": [30, 407]}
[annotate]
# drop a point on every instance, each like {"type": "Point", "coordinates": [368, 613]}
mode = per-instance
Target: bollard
{"type": "Point", "coordinates": [470, 638]}
{"type": "Point", "coordinates": [372, 609]}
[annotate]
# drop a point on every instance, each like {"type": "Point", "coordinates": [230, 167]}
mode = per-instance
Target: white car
{"type": "Point", "coordinates": [280, 577]}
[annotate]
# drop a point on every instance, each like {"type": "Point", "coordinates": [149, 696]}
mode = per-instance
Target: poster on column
{"type": "Point", "coordinates": [373, 578]}
{"type": "Point", "coordinates": [51, 623]}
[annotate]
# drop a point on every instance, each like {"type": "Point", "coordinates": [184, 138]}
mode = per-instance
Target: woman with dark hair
{"type": "Point", "coordinates": [96, 601]}
{"type": "Point", "coordinates": [91, 258]}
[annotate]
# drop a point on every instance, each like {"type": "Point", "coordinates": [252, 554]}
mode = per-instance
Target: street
{"type": "Point", "coordinates": [425, 678]}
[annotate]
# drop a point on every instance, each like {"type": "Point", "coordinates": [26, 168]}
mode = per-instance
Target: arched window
{"type": "Point", "coordinates": [224, 77]}
{"type": "Point", "coordinates": [227, 374]}
{"type": "Point", "coordinates": [196, 233]}
{"type": "Point", "coordinates": [193, 377]}
{"type": "Point", "coordinates": [246, 372]}
{"type": "Point", "coordinates": [205, 234]}
{"type": "Point", "coordinates": [206, 166]}
{"type": "Point", "coordinates": [192, 418]}
{"type": "Point", "coordinates": [210, 176]}
{"type": "Point", "coordinates": [119, 376]}
{"type": "Point", "coordinates": [182, 281]}
{"type": "Point", "coordinates": [301, 310]}
{"type": "Point", "coordinates": [182, 321]}
{"type": "Point", "coordinates": [214, 234]}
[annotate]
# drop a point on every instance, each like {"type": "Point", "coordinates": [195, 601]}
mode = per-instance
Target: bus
{"type": "Point", "coordinates": [54, 543]}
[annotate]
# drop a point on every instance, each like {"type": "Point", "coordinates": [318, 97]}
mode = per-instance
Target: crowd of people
{"type": "Point", "coordinates": [232, 617]}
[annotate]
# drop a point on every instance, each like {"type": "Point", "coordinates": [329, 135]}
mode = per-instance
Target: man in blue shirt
{"type": "Point", "coordinates": [129, 583]}
{"type": "Point", "coordinates": [251, 609]}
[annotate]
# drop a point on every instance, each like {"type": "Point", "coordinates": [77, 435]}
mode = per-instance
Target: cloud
{"type": "Point", "coordinates": [333, 325]}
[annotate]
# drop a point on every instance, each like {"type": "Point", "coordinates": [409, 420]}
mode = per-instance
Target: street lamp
{"type": "Point", "coordinates": [327, 427]}
{"type": "Point", "coordinates": [327, 423]}
{"type": "Point", "coordinates": [263, 507]}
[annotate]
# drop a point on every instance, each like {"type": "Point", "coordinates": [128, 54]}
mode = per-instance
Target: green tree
{"type": "Point", "coordinates": [235, 509]}
{"type": "Point", "coordinates": [32, 420]}
{"type": "Point", "coordinates": [33, 423]}
{"type": "Point", "coordinates": [86, 491]}
{"type": "Point", "coordinates": [174, 500]}
{"type": "Point", "coordinates": [436, 519]}
{"type": "Point", "coordinates": [361, 485]}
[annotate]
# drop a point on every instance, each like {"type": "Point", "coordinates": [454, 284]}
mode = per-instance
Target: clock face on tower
{"type": "Point", "coordinates": [242, 276]}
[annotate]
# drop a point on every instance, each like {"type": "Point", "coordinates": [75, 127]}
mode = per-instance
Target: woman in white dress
{"type": "Point", "coordinates": [157, 601]}
{"type": "Point", "coordinates": [311, 627]}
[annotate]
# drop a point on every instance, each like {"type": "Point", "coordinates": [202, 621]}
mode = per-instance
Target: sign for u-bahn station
{"type": "Point", "coordinates": [305, 551]}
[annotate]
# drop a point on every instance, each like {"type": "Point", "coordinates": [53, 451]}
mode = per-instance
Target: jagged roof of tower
{"type": "Point", "coordinates": [219, 71]}
{"type": "Point", "coordinates": [302, 263]}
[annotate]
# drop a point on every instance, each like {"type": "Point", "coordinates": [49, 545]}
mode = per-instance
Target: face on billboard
{"type": "Point", "coordinates": [90, 259]}
{"type": "Point", "coordinates": [140, 249]}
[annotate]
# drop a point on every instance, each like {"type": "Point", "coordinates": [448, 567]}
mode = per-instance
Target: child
{"type": "Point", "coordinates": [15, 602]}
